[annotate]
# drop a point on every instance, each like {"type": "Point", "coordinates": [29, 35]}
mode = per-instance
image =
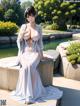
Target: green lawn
{"type": "Point", "coordinates": [8, 52]}
{"type": "Point", "coordinates": [55, 43]}
{"type": "Point", "coordinates": [47, 32]}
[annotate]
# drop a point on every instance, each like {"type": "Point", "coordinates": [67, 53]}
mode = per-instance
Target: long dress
{"type": "Point", "coordinates": [29, 86]}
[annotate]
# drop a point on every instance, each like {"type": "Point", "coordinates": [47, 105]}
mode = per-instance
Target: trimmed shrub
{"type": "Point", "coordinates": [53, 26]}
{"type": "Point", "coordinates": [72, 58]}
{"type": "Point", "coordinates": [8, 28]}
{"type": "Point", "coordinates": [73, 53]}
{"type": "Point", "coordinates": [49, 27]}
{"type": "Point", "coordinates": [78, 60]}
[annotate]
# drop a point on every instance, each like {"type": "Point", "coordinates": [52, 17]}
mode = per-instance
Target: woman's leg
{"type": "Point", "coordinates": [29, 83]}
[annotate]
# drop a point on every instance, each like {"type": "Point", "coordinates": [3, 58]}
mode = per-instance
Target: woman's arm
{"type": "Point", "coordinates": [24, 32]}
{"type": "Point", "coordinates": [20, 41]}
{"type": "Point", "coordinates": [41, 42]}
{"type": "Point", "coordinates": [21, 32]}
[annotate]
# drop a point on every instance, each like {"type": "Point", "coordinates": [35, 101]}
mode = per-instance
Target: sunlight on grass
{"type": "Point", "coordinates": [53, 32]}
{"type": "Point", "coordinates": [55, 43]}
{"type": "Point", "coordinates": [8, 52]}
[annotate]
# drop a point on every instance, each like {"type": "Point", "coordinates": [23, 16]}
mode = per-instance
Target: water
{"type": "Point", "coordinates": [12, 51]}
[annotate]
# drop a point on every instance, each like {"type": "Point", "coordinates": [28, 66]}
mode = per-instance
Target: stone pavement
{"type": "Point", "coordinates": [71, 94]}
{"type": "Point", "coordinates": [71, 90]}
{"type": "Point", "coordinates": [4, 95]}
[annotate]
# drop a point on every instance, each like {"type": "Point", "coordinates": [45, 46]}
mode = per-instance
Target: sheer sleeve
{"type": "Point", "coordinates": [41, 39]}
{"type": "Point", "coordinates": [19, 38]}
{"type": "Point", "coordinates": [24, 34]}
{"type": "Point", "coordinates": [21, 31]}
{"type": "Point", "coordinates": [20, 41]}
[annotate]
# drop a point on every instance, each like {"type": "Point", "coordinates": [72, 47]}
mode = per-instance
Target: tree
{"type": "Point", "coordinates": [10, 15]}
{"type": "Point", "coordinates": [12, 7]}
{"type": "Point", "coordinates": [1, 13]}
{"type": "Point", "coordinates": [57, 11]}
{"type": "Point", "coordinates": [24, 5]}
{"type": "Point", "coordinates": [45, 9]}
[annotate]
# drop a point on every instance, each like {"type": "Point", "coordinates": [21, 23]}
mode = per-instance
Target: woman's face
{"type": "Point", "coordinates": [31, 18]}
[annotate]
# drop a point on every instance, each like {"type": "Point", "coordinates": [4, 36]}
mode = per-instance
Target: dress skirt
{"type": "Point", "coordinates": [29, 86]}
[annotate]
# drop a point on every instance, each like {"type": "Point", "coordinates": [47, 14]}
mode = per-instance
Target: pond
{"type": "Point", "coordinates": [12, 51]}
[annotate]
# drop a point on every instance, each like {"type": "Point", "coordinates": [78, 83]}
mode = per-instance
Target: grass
{"type": "Point", "coordinates": [8, 52]}
{"type": "Point", "coordinates": [55, 43]}
{"type": "Point", "coordinates": [47, 32]}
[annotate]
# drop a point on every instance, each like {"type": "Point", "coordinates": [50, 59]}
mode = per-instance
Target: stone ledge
{"type": "Point", "coordinates": [55, 56]}
{"type": "Point", "coordinates": [9, 72]}
{"type": "Point", "coordinates": [76, 36]}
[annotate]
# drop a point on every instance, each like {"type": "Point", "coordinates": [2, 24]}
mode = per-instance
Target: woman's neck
{"type": "Point", "coordinates": [33, 25]}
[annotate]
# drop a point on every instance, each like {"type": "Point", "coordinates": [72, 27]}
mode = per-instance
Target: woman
{"type": "Point", "coordinates": [29, 86]}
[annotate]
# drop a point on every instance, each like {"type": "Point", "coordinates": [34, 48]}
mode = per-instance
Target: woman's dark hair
{"type": "Point", "coordinates": [30, 11]}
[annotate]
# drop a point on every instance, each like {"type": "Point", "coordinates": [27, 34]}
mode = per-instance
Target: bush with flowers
{"type": "Point", "coordinates": [8, 28]}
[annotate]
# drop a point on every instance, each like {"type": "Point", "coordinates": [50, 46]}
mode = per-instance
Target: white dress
{"type": "Point", "coordinates": [29, 86]}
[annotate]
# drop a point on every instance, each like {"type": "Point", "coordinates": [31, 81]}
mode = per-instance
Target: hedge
{"type": "Point", "coordinates": [8, 28]}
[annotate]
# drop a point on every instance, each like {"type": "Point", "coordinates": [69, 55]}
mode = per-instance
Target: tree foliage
{"type": "Point", "coordinates": [10, 10]}
{"type": "Point", "coordinates": [57, 11]}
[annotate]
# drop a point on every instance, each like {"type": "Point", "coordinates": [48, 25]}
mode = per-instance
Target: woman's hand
{"type": "Point", "coordinates": [27, 32]}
